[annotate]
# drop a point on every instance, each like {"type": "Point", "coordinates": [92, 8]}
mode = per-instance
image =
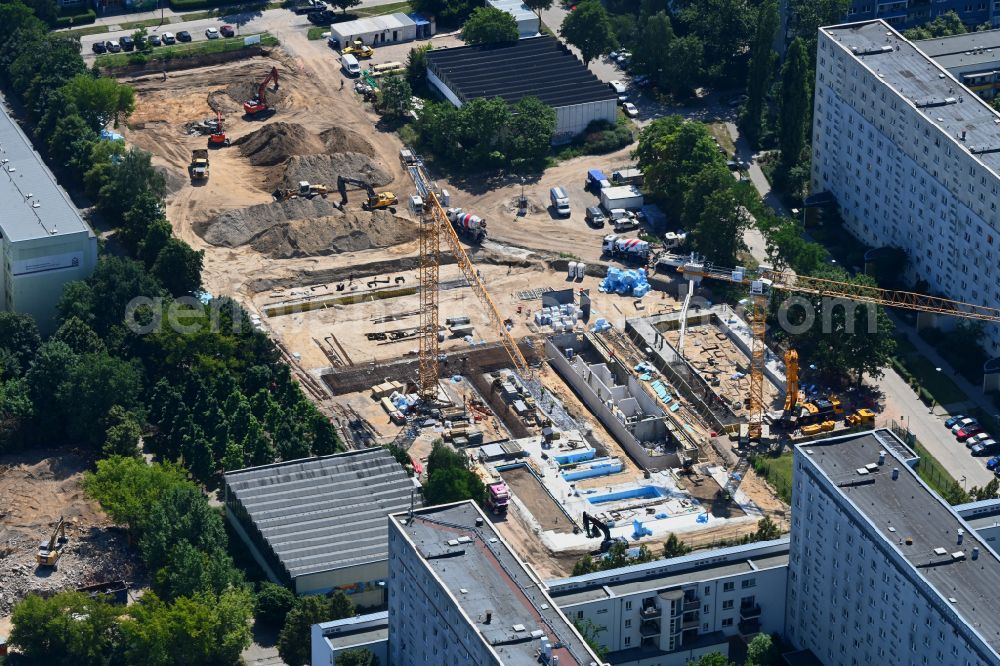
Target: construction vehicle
{"type": "Point", "coordinates": [306, 190]}
{"type": "Point", "coordinates": [625, 248]}
{"type": "Point", "coordinates": [791, 384]}
{"type": "Point", "coordinates": [860, 417]}
{"type": "Point", "coordinates": [50, 551]}
{"type": "Point", "coordinates": [376, 200]}
{"type": "Point", "coordinates": [819, 411]}
{"type": "Point", "coordinates": [497, 498]}
{"type": "Point", "coordinates": [258, 104]}
{"type": "Point", "coordinates": [198, 169]}
{"type": "Point", "coordinates": [359, 51]}
{"type": "Point", "coordinates": [595, 528]}
{"type": "Point", "coordinates": [472, 227]}
{"type": "Point", "coordinates": [218, 137]}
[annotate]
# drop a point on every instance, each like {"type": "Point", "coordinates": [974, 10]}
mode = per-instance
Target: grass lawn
{"type": "Point", "coordinates": [939, 385]}
{"type": "Point", "coordinates": [145, 23]}
{"type": "Point", "coordinates": [382, 9]}
{"type": "Point", "coordinates": [87, 30]}
{"type": "Point", "coordinates": [777, 471]}
{"type": "Point", "coordinates": [181, 51]}
{"type": "Point", "coordinates": [938, 478]}
{"type": "Point", "coordinates": [718, 130]}
{"type": "Point", "coordinates": [316, 32]}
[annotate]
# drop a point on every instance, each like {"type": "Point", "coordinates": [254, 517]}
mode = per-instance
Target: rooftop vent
{"type": "Point", "coordinates": [958, 555]}
{"type": "Point", "coordinates": [895, 473]}
{"type": "Point", "coordinates": [871, 467]}
{"type": "Point", "coordinates": [453, 542]}
{"type": "Point", "coordinates": [961, 536]}
{"type": "Point", "coordinates": [464, 539]}
{"type": "Point", "coordinates": [881, 457]}
{"type": "Point", "coordinates": [519, 628]}
{"type": "Point", "coordinates": [975, 552]}
{"type": "Point", "coordinates": [862, 471]}
{"type": "Point", "coordinates": [940, 551]}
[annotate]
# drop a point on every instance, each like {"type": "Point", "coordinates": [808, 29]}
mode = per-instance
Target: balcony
{"type": "Point", "coordinates": [649, 612]}
{"type": "Point", "coordinates": [649, 628]}
{"type": "Point", "coordinates": [691, 604]}
{"type": "Point", "coordinates": [748, 627]}
{"type": "Point", "coordinates": [749, 612]}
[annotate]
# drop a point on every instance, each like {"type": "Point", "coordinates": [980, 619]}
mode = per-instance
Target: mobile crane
{"type": "Point", "coordinates": [258, 104]}
{"type": "Point", "coordinates": [376, 200]}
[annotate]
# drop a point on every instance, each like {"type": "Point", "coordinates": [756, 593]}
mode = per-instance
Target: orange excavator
{"type": "Point", "coordinates": [218, 138]}
{"type": "Point", "coordinates": [258, 104]}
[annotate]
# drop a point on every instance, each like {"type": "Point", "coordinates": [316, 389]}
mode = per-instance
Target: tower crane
{"type": "Point", "coordinates": [764, 279]}
{"type": "Point", "coordinates": [434, 224]}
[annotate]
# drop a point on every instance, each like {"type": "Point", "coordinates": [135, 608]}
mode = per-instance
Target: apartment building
{"type": "Point", "coordinates": [912, 158]}
{"type": "Point", "coordinates": [881, 569]}
{"type": "Point", "coordinates": [904, 14]}
{"type": "Point", "coordinates": [458, 595]}
{"type": "Point", "coordinates": [44, 243]}
{"type": "Point", "coordinates": [669, 612]}
{"type": "Point", "coordinates": [972, 58]}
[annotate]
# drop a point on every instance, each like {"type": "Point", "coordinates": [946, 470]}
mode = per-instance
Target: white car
{"type": "Point", "coordinates": [630, 110]}
{"type": "Point", "coordinates": [168, 38]}
{"type": "Point", "coordinates": [212, 33]}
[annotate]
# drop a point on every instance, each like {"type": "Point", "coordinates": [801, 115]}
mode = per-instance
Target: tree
{"type": "Point", "coordinates": [19, 336]}
{"type": "Point", "coordinates": [122, 435]}
{"type": "Point", "coordinates": [449, 478]}
{"type": "Point", "coordinates": [761, 651]}
{"type": "Point", "coordinates": [293, 641]}
{"type": "Point", "coordinates": [489, 25]}
{"type": "Point", "coordinates": [712, 659]}
{"type": "Point", "coordinates": [178, 267]}
{"type": "Point", "coordinates": [529, 135]}
{"type": "Point", "coordinates": [356, 657]}
{"type": "Point", "coordinates": [416, 66]}
{"type": "Point", "coordinates": [767, 529]}
{"type": "Point", "coordinates": [481, 126]}
{"type": "Point", "coordinates": [719, 232]}
{"type": "Point", "coordinates": [945, 25]}
{"type": "Point", "coordinates": [672, 151]}
{"type": "Point", "coordinates": [272, 603]}
{"type": "Point", "coordinates": [100, 100]}
{"type": "Point", "coordinates": [93, 385]}
{"type": "Point", "coordinates": [812, 14]}
{"type": "Point", "coordinates": [189, 571]}
{"type": "Point", "coordinates": [79, 337]}
{"type": "Point", "coordinates": [141, 39]}
{"type": "Point", "coordinates": [70, 144]}
{"type": "Point", "coordinates": [15, 408]}
{"type": "Point", "coordinates": [652, 49]}
{"type": "Point", "coordinates": [181, 514]}
{"type": "Point", "coordinates": [685, 56]}
{"type": "Point", "coordinates": [395, 96]}
{"type": "Point", "coordinates": [585, 565]}
{"type": "Point", "coordinates": [795, 102]}
{"type": "Point", "coordinates": [129, 177]}
{"type": "Point", "coordinates": [674, 547]}
{"type": "Point", "coordinates": [724, 28]}
{"type": "Point", "coordinates": [344, 5]}
{"type": "Point", "coordinates": [539, 6]}
{"type": "Point", "coordinates": [590, 632]}
{"type": "Point", "coordinates": [128, 488]}
{"type": "Point", "coordinates": [588, 29]}
{"type": "Point", "coordinates": [146, 210]}
{"type": "Point", "coordinates": [713, 178]}
{"type": "Point", "coordinates": [68, 628]}
{"type": "Point", "coordinates": [762, 57]}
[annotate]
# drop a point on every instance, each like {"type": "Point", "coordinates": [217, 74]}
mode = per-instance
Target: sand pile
{"type": "Point", "coordinates": [340, 140]}
{"type": "Point", "coordinates": [276, 142]}
{"type": "Point", "coordinates": [324, 169]}
{"type": "Point", "coordinates": [303, 227]}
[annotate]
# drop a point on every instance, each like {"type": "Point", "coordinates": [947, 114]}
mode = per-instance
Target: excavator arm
{"type": "Point", "coordinates": [343, 182]}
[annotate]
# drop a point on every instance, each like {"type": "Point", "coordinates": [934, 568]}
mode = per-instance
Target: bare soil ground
{"type": "Point", "coordinates": [527, 489]}
{"type": "Point", "coordinates": [36, 489]}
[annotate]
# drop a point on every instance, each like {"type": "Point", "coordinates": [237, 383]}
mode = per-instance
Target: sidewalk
{"type": "Point", "coordinates": [117, 19]}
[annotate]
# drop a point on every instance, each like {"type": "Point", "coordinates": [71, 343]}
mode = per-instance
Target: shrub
{"type": "Point", "coordinates": [68, 20]}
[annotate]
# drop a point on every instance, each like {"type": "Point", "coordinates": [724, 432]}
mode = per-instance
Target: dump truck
{"type": "Point", "coordinates": [199, 164]}
{"type": "Point", "coordinates": [497, 497]}
{"type": "Point", "coordinates": [467, 225]}
{"type": "Point", "coordinates": [625, 248]}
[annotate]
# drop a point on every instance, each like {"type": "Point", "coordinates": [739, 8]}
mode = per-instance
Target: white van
{"type": "Point", "coordinates": [560, 201]}
{"type": "Point", "coordinates": [350, 65]}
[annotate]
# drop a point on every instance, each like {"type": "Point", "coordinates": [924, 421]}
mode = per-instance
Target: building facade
{"type": "Point", "coordinates": [44, 243]}
{"type": "Point", "coordinates": [902, 14]}
{"type": "Point", "coordinates": [912, 158]}
{"type": "Point", "coordinates": [881, 569]}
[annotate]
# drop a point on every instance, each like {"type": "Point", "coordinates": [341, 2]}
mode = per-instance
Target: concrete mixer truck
{"type": "Point", "coordinates": [468, 226]}
{"type": "Point", "coordinates": [626, 249]}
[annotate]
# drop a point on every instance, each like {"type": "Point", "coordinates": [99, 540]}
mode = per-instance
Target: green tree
{"type": "Point", "coordinates": [129, 488]}
{"type": "Point", "coordinates": [189, 571]}
{"type": "Point", "coordinates": [796, 99]}
{"type": "Point", "coordinates": [344, 5]}
{"type": "Point", "coordinates": [652, 49]}
{"type": "Point", "coordinates": [42, 69]}
{"type": "Point", "coordinates": [812, 14]}
{"type": "Point", "coordinates": [395, 96]}
{"type": "Point", "coordinates": [15, 408]}
{"type": "Point", "coordinates": [100, 100]}
{"type": "Point", "coordinates": [68, 628]}
{"type": "Point", "coordinates": [122, 434]}
{"type": "Point", "coordinates": [712, 659]}
{"type": "Point", "coordinates": [272, 603]}
{"type": "Point", "coordinates": [146, 210]}
{"type": "Point", "coordinates": [762, 651]}
{"type": "Point", "coordinates": [585, 565]}
{"type": "Point", "coordinates": [685, 57]}
{"type": "Point", "coordinates": [158, 233]}
{"type": "Point", "coordinates": [539, 6]}
{"type": "Point", "coordinates": [129, 177]}
{"type": "Point", "coordinates": [674, 547]}
{"type": "Point", "coordinates": [945, 25]}
{"type": "Point", "coordinates": [724, 28]}
{"type": "Point", "coordinates": [481, 126]}
{"type": "Point", "coordinates": [767, 529]}
{"type": "Point", "coordinates": [489, 25]}
{"type": "Point", "coordinates": [182, 514]}
{"type": "Point", "coordinates": [529, 135]}
{"type": "Point", "coordinates": [449, 478]}
{"type": "Point", "coordinates": [416, 66]}
{"type": "Point", "coordinates": [71, 143]}
{"type": "Point", "coordinates": [714, 178]}
{"type": "Point", "coordinates": [93, 385]}
{"type": "Point", "coordinates": [141, 39]}
{"type": "Point", "coordinates": [178, 267]}
{"type": "Point", "coordinates": [79, 337]}
{"type": "Point", "coordinates": [719, 232]}
{"type": "Point", "coordinates": [590, 633]}
{"type": "Point", "coordinates": [293, 641]}
{"type": "Point", "coordinates": [671, 153]}
{"type": "Point", "coordinates": [588, 29]}
{"type": "Point", "coordinates": [762, 58]}
{"type": "Point", "coordinates": [19, 336]}
{"type": "Point", "coordinates": [356, 657]}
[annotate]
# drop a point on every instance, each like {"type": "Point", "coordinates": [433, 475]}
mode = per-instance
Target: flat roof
{"type": "Point", "coordinates": [34, 206]}
{"type": "Point", "coordinates": [660, 574]}
{"type": "Point", "coordinates": [373, 24]}
{"type": "Point", "coordinates": [905, 70]}
{"type": "Point", "coordinates": [904, 509]}
{"type": "Point", "coordinates": [516, 8]}
{"type": "Point", "coordinates": [357, 630]}
{"type": "Point", "coordinates": [483, 574]}
{"type": "Point", "coordinates": [319, 514]}
{"type": "Point", "coordinates": [953, 44]}
{"type": "Point", "coordinates": [541, 67]}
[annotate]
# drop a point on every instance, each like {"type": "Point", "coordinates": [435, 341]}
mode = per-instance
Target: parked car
{"type": "Point", "coordinates": [212, 33]}
{"type": "Point", "coordinates": [323, 17]}
{"type": "Point", "coordinates": [168, 38]}
{"type": "Point", "coordinates": [953, 420]}
{"type": "Point", "coordinates": [98, 47]}
{"type": "Point", "coordinates": [623, 57]}
{"type": "Point", "coordinates": [989, 447]}
{"type": "Point", "coordinates": [183, 36]}
{"type": "Point", "coordinates": [228, 30]}
{"type": "Point", "coordinates": [630, 110]}
{"type": "Point", "coordinates": [968, 431]}
{"type": "Point", "coordinates": [154, 40]}
{"type": "Point", "coordinates": [560, 201]}
{"type": "Point", "coordinates": [306, 6]}
{"type": "Point", "coordinates": [113, 46]}
{"type": "Point", "coordinates": [958, 425]}
{"type": "Point", "coordinates": [993, 462]}
{"type": "Point", "coordinates": [975, 439]}
{"type": "Point", "coordinates": [127, 43]}
{"type": "Point", "coordinates": [594, 217]}
{"type": "Point", "coordinates": [738, 100]}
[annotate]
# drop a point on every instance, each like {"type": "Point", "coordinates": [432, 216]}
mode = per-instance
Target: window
{"type": "Point", "coordinates": [628, 605]}
{"type": "Point", "coordinates": [628, 623]}
{"type": "Point", "coordinates": [708, 590]}
{"type": "Point", "coordinates": [728, 587]}
{"type": "Point", "coordinates": [727, 604]}
{"type": "Point", "coordinates": [728, 622]}
{"type": "Point", "coordinates": [579, 615]}
{"type": "Point", "coordinates": [628, 640]}
{"type": "Point", "coordinates": [749, 582]}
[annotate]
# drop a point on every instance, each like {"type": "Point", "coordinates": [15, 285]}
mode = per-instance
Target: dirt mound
{"type": "Point", "coordinates": [241, 91]}
{"type": "Point", "coordinates": [324, 169]}
{"type": "Point", "coordinates": [340, 140]}
{"type": "Point", "coordinates": [276, 142]}
{"type": "Point", "coordinates": [302, 227]}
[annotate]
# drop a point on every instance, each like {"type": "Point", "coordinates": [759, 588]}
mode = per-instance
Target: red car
{"type": "Point", "coordinates": [968, 431]}
{"type": "Point", "coordinates": [228, 31]}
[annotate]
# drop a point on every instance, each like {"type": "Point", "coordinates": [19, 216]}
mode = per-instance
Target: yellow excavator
{"type": "Point", "coordinates": [376, 200]}
{"type": "Point", "coordinates": [50, 551]}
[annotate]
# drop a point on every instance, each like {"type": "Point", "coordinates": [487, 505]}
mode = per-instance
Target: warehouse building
{"type": "Point", "coordinates": [541, 67]}
{"type": "Point", "coordinates": [44, 243]}
{"type": "Point", "coordinates": [527, 20]}
{"type": "Point", "coordinates": [379, 30]}
{"type": "Point", "coordinates": [319, 524]}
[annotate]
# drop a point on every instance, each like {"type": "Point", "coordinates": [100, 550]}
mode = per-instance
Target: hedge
{"type": "Point", "coordinates": [70, 20]}
{"type": "Point", "coordinates": [202, 4]}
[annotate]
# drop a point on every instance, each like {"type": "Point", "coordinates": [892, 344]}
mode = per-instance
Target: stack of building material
{"type": "Point", "coordinates": [632, 282]}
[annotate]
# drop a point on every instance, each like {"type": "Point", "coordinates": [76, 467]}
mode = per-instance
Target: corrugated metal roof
{"type": "Point", "coordinates": [34, 206]}
{"type": "Point", "coordinates": [372, 24]}
{"type": "Point", "coordinates": [319, 514]}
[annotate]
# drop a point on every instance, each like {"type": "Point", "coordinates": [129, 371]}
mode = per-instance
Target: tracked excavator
{"type": "Point", "coordinates": [595, 528]}
{"type": "Point", "coordinates": [376, 200]}
{"type": "Point", "coordinates": [218, 138]}
{"type": "Point", "coordinates": [258, 105]}
{"type": "Point", "coordinates": [50, 551]}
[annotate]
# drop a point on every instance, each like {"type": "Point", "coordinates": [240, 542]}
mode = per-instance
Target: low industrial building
{"type": "Point", "coordinates": [541, 67]}
{"type": "Point", "coordinates": [319, 524]}
{"type": "Point", "coordinates": [389, 29]}
{"type": "Point", "coordinates": [527, 20]}
{"type": "Point", "coordinates": [44, 243]}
